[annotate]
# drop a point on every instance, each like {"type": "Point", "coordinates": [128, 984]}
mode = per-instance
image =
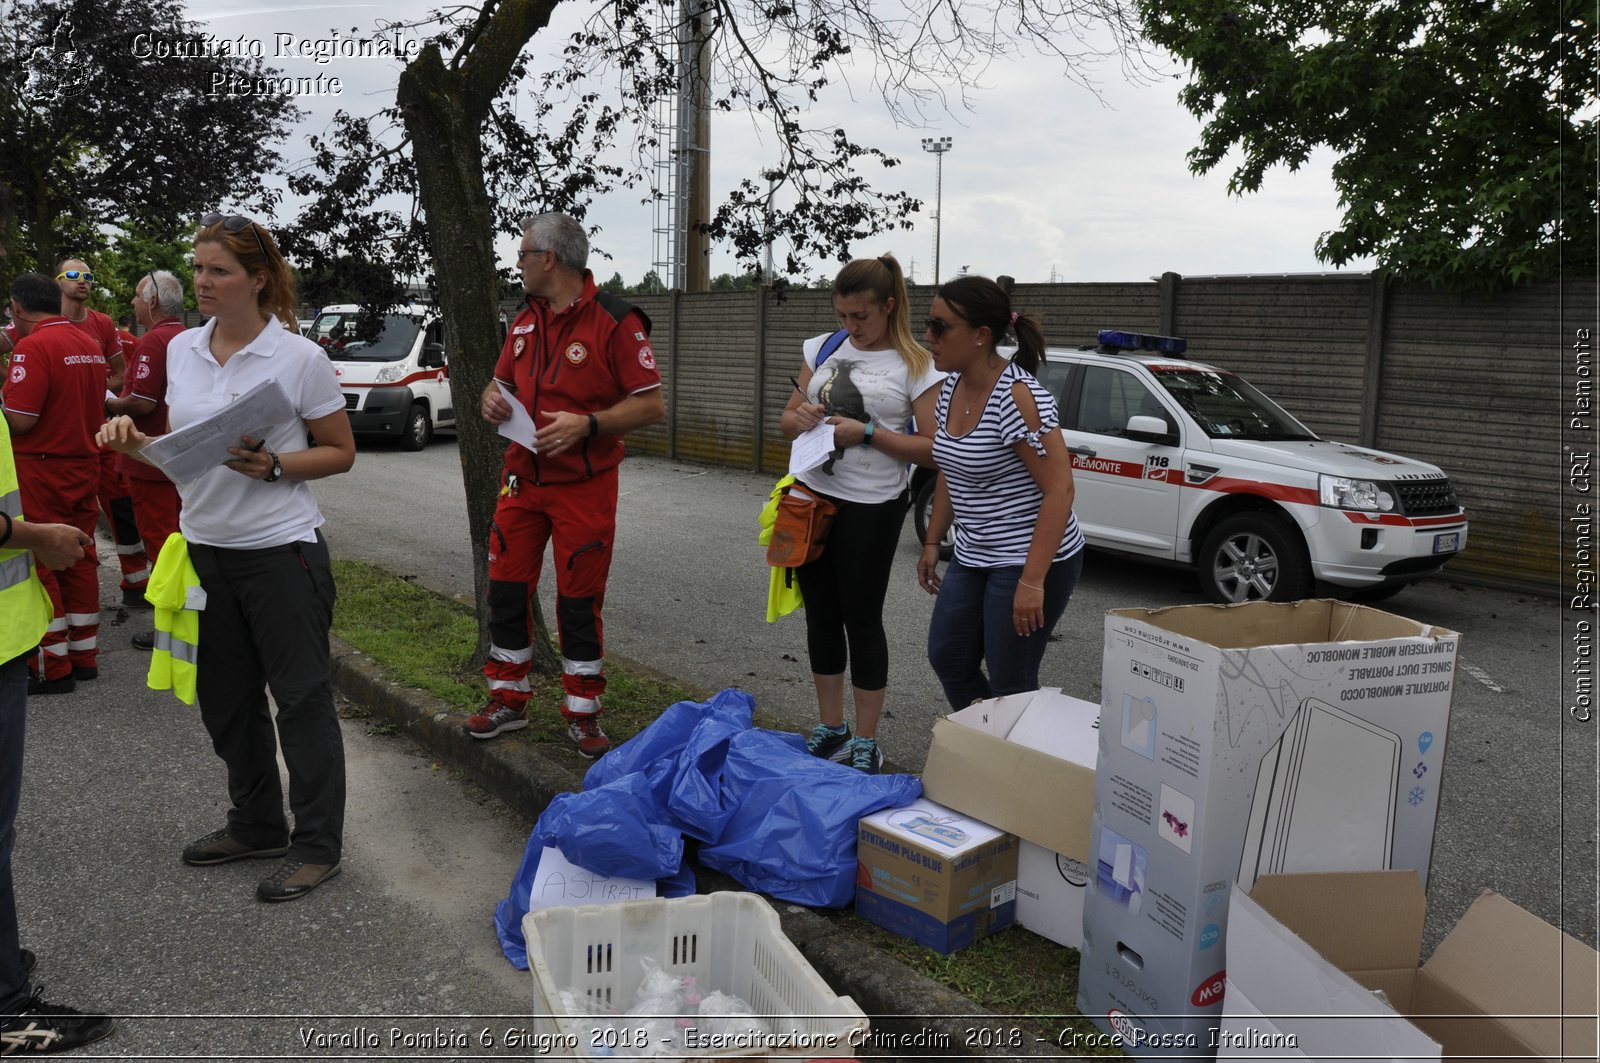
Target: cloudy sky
{"type": "Point", "coordinates": [1044, 180]}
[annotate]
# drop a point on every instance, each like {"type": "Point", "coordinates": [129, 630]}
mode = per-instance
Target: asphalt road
{"type": "Point", "coordinates": [399, 947]}
{"type": "Point", "coordinates": [687, 596]}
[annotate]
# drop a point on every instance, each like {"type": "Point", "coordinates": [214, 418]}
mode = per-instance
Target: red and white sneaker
{"type": "Point", "coordinates": [591, 740]}
{"type": "Point", "coordinates": [494, 718]}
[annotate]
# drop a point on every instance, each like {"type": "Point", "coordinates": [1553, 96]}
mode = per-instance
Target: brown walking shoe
{"type": "Point", "coordinates": [294, 879]}
{"type": "Point", "coordinates": [220, 847]}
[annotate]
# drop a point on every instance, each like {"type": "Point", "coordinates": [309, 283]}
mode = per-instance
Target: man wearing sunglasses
{"type": "Point", "coordinates": [54, 399]}
{"type": "Point", "coordinates": [74, 278]}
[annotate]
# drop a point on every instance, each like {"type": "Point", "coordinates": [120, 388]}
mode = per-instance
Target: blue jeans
{"type": "Point", "coordinates": [14, 989]}
{"type": "Point", "coordinates": [971, 628]}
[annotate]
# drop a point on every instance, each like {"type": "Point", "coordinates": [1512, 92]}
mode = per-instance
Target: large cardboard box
{"type": "Point", "coordinates": [935, 876]}
{"type": "Point", "coordinates": [1306, 952]}
{"type": "Point", "coordinates": [1237, 741]}
{"type": "Point", "coordinates": [1023, 763]}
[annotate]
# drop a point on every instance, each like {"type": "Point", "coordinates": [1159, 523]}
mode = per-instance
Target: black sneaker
{"type": "Point", "coordinates": [42, 1027]}
{"type": "Point", "coordinates": [29, 961]}
{"type": "Point", "coordinates": [825, 742]}
{"type": "Point", "coordinates": [133, 598]}
{"type": "Point", "coordinates": [38, 687]}
{"type": "Point", "coordinates": [144, 640]}
{"type": "Point", "coordinates": [85, 674]}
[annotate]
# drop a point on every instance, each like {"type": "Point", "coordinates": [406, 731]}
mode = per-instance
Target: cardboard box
{"type": "Point", "coordinates": [937, 877]}
{"type": "Point", "coordinates": [1023, 763]}
{"type": "Point", "coordinates": [1306, 951]}
{"type": "Point", "coordinates": [1050, 890]}
{"type": "Point", "coordinates": [1239, 741]}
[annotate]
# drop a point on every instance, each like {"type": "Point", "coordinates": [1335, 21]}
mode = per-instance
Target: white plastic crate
{"type": "Point", "coordinates": [730, 942]}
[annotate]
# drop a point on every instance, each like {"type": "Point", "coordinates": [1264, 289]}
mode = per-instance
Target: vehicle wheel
{"type": "Point", "coordinates": [418, 429]}
{"type": "Point", "coordinates": [1254, 557]}
{"type": "Point", "coordinates": [922, 513]}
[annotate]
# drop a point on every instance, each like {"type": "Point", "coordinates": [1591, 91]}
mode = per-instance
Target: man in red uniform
{"type": "Point", "coordinates": [158, 304]}
{"type": "Point", "coordinates": [579, 361]}
{"type": "Point", "coordinates": [74, 277]}
{"type": "Point", "coordinates": [54, 394]}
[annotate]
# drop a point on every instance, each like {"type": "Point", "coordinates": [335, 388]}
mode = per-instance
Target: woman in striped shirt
{"type": "Point", "coordinates": [1005, 478]}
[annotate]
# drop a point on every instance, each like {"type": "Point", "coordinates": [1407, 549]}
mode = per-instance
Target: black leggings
{"type": "Point", "coordinates": [844, 591]}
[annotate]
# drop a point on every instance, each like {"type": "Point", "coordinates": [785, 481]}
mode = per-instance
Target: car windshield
{"type": "Point", "coordinates": [1226, 407]}
{"type": "Point", "coordinates": [362, 337]}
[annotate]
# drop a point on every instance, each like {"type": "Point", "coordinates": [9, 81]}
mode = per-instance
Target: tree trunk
{"type": "Point", "coordinates": [445, 130]}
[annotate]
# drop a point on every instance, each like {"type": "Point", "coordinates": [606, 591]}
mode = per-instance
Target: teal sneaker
{"type": "Point", "coordinates": [865, 756]}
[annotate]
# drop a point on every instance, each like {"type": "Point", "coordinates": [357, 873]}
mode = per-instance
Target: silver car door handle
{"type": "Point", "coordinates": [1087, 452]}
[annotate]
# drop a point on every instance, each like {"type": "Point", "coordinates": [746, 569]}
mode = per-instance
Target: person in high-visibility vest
{"type": "Point", "coordinates": [252, 525]}
{"type": "Point", "coordinates": [27, 1022]}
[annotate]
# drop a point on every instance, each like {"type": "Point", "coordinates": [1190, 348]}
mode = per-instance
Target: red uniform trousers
{"type": "Point", "coordinates": [580, 521]}
{"type": "Point", "coordinates": [156, 506]}
{"type": "Point", "coordinates": [62, 491]}
{"type": "Point", "coordinates": [117, 505]}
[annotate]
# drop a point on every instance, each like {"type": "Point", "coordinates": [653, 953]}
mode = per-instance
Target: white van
{"type": "Point", "coordinates": [394, 372]}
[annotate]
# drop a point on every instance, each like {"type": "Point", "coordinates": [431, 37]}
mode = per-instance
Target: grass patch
{"type": "Point", "coordinates": [426, 641]}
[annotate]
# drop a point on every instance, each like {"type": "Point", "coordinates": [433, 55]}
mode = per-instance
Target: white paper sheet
{"type": "Point", "coordinates": [519, 427]}
{"type": "Point", "coordinates": [196, 449]}
{"type": "Point", "coordinates": [560, 882]}
{"type": "Point", "coordinates": [810, 449]}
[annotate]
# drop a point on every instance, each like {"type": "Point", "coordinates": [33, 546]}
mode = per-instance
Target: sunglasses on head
{"type": "Point", "coordinates": [234, 223]}
{"type": "Point", "coordinates": [75, 275]}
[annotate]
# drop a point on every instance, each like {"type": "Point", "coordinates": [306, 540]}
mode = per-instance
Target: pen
{"type": "Point", "coordinates": [798, 388]}
{"type": "Point", "coordinates": [258, 446]}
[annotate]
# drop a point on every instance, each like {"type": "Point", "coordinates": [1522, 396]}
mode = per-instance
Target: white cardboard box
{"type": "Point", "coordinates": [1305, 953]}
{"type": "Point", "coordinates": [1023, 763]}
{"type": "Point", "coordinates": [1238, 741]}
{"type": "Point", "coordinates": [1050, 890]}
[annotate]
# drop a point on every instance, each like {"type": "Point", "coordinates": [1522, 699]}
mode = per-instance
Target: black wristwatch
{"type": "Point", "coordinates": [277, 469]}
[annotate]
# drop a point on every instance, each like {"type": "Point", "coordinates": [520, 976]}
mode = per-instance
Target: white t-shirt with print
{"type": "Point", "coordinates": [853, 381]}
{"type": "Point", "coordinates": [226, 508]}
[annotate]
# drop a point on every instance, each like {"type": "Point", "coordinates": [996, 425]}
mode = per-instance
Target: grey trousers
{"type": "Point", "coordinates": [265, 626]}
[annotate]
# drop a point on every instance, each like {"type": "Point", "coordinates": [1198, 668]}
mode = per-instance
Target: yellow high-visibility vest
{"type": "Point", "coordinates": [174, 591]}
{"type": "Point", "coordinates": [783, 590]}
{"type": "Point", "coordinates": [25, 608]}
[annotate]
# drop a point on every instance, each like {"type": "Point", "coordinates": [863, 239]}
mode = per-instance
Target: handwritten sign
{"type": "Point", "coordinates": [560, 882]}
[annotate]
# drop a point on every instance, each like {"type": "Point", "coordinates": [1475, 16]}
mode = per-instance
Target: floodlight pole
{"type": "Point", "coordinates": [937, 145]}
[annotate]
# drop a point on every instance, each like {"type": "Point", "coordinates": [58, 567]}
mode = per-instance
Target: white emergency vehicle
{"type": "Point", "coordinates": [393, 370]}
{"type": "Point", "coordinates": [1179, 460]}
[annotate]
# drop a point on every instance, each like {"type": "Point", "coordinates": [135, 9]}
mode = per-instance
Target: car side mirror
{"type": "Point", "coordinates": [432, 355]}
{"type": "Point", "coordinates": [1146, 429]}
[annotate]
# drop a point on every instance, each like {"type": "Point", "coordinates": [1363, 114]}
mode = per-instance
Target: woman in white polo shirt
{"type": "Point", "coordinates": [252, 528]}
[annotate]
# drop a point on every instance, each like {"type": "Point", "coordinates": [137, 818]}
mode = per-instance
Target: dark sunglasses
{"type": "Point", "coordinates": [75, 275]}
{"type": "Point", "coordinates": [938, 326]}
{"type": "Point", "coordinates": [234, 223]}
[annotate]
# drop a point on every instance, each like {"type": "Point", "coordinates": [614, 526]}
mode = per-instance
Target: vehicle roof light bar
{"type": "Point", "coordinates": [1114, 340]}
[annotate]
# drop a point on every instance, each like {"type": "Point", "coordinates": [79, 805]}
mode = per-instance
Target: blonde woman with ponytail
{"type": "Point", "coordinates": [878, 388]}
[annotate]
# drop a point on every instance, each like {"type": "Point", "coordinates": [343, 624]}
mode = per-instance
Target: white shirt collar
{"type": "Point", "coordinates": [264, 344]}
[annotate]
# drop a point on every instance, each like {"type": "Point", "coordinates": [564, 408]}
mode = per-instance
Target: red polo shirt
{"type": "Point", "coordinates": [147, 379]}
{"type": "Point", "coordinates": [59, 376]}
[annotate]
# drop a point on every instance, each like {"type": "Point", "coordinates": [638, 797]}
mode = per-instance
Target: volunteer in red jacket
{"type": "Point", "coordinates": [74, 277]}
{"type": "Point", "coordinates": [54, 395]}
{"type": "Point", "coordinates": [158, 304]}
{"type": "Point", "coordinates": [579, 360]}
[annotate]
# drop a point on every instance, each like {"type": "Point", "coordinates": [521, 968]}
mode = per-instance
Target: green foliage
{"type": "Point", "coordinates": [1466, 131]}
{"type": "Point", "coordinates": [133, 253]}
{"type": "Point", "coordinates": [100, 131]}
